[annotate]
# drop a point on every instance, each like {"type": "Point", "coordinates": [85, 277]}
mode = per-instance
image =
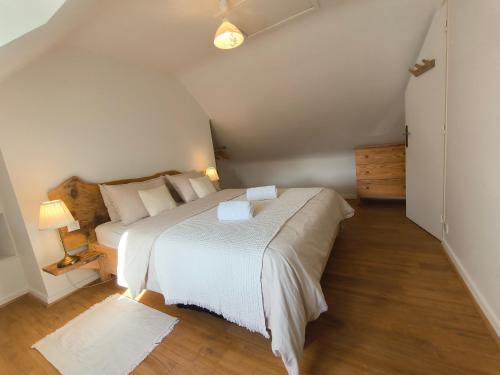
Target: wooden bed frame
{"type": "Point", "coordinates": [85, 203]}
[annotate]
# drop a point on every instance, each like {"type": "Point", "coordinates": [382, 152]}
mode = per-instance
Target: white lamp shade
{"type": "Point", "coordinates": [211, 173]}
{"type": "Point", "coordinates": [54, 215]}
{"type": "Point", "coordinates": [228, 36]}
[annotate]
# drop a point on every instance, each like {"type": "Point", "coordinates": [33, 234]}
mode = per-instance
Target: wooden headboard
{"type": "Point", "coordinates": [85, 203]}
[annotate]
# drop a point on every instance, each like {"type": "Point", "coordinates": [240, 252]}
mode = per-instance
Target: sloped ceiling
{"type": "Point", "coordinates": [170, 35]}
{"type": "Point", "coordinates": [325, 81]}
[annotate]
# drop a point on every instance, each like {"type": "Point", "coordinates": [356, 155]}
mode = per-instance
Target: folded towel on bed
{"type": "Point", "coordinates": [234, 210]}
{"type": "Point", "coordinates": [262, 193]}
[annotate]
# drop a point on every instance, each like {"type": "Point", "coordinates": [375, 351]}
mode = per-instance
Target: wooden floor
{"type": "Point", "coordinates": [396, 307]}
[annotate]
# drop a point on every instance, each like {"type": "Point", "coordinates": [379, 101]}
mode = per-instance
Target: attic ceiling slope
{"type": "Point", "coordinates": [322, 83]}
{"type": "Point", "coordinates": [170, 35]}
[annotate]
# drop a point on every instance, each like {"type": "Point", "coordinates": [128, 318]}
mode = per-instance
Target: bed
{"type": "Point", "coordinates": [291, 265]}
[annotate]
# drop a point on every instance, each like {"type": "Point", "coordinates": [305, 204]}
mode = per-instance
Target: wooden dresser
{"type": "Point", "coordinates": [380, 171]}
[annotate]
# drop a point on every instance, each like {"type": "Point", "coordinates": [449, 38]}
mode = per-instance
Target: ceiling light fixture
{"type": "Point", "coordinates": [227, 36]}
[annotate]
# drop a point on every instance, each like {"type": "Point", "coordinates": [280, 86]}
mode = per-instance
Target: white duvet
{"type": "Point", "coordinates": [292, 262]}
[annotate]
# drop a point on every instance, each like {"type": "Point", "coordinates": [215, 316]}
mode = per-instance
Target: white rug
{"type": "Point", "coordinates": [112, 338]}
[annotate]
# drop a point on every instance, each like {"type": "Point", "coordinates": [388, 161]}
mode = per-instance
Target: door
{"type": "Point", "coordinates": [425, 103]}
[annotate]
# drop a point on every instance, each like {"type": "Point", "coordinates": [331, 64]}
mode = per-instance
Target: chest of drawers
{"type": "Point", "coordinates": [380, 171]}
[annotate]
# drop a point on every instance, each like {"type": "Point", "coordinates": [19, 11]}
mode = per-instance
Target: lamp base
{"type": "Point", "coordinates": [68, 260]}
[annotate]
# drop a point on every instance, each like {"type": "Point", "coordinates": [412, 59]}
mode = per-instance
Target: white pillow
{"type": "Point", "coordinates": [172, 190]}
{"type": "Point", "coordinates": [157, 200]}
{"type": "Point", "coordinates": [202, 186]}
{"type": "Point", "coordinates": [127, 201]}
{"type": "Point", "coordinates": [183, 187]}
{"type": "Point", "coordinates": [113, 214]}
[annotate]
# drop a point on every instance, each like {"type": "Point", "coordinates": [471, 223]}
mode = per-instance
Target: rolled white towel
{"type": "Point", "coordinates": [262, 193]}
{"type": "Point", "coordinates": [234, 210]}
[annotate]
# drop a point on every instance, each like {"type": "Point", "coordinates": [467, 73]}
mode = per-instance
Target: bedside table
{"type": "Point", "coordinates": [89, 259]}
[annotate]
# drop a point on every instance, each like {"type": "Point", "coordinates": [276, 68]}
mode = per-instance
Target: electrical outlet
{"type": "Point", "coordinates": [75, 225]}
{"type": "Point", "coordinates": [446, 228]}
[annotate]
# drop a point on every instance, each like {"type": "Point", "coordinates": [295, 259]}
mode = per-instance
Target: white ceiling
{"type": "Point", "coordinates": [324, 83]}
{"type": "Point", "coordinates": [169, 35]}
{"type": "Point", "coordinates": [254, 16]}
{"type": "Point", "coordinates": [329, 79]}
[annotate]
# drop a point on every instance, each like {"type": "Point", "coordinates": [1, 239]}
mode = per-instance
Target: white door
{"type": "Point", "coordinates": [426, 118]}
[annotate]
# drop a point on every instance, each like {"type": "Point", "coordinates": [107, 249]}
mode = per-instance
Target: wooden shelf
{"type": "Point", "coordinates": [89, 259]}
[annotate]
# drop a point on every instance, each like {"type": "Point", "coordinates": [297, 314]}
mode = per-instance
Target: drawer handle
{"type": "Point", "coordinates": [367, 188]}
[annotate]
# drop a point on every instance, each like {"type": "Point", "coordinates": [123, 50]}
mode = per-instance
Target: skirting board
{"type": "Point", "coordinates": [54, 297]}
{"type": "Point", "coordinates": [60, 294]}
{"type": "Point", "coordinates": [484, 308]}
{"type": "Point", "coordinates": [13, 296]}
{"type": "Point", "coordinates": [42, 297]}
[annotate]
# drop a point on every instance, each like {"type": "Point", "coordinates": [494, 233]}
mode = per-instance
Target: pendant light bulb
{"type": "Point", "coordinates": [227, 36]}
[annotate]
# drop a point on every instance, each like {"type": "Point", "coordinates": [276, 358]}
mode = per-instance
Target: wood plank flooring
{"type": "Point", "coordinates": [396, 307]}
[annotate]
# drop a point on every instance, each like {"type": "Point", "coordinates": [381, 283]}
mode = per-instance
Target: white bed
{"type": "Point", "coordinates": [292, 265]}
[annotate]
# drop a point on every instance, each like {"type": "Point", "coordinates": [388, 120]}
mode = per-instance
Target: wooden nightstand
{"type": "Point", "coordinates": [89, 259]}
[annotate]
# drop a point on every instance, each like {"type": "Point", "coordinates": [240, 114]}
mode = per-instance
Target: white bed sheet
{"type": "Point", "coordinates": [110, 233]}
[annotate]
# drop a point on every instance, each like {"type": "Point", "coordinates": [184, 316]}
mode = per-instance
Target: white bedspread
{"type": "Point", "coordinates": [137, 242]}
{"type": "Point", "coordinates": [218, 265]}
{"type": "Point", "coordinates": [291, 270]}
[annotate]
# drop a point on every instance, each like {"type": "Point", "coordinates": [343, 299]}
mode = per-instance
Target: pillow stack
{"type": "Point", "coordinates": [124, 202]}
{"type": "Point", "coordinates": [157, 200]}
{"type": "Point", "coordinates": [131, 202]}
{"type": "Point", "coordinates": [182, 186]}
{"type": "Point", "coordinates": [202, 186]}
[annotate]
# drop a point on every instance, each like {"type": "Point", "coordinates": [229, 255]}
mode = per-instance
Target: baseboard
{"type": "Point", "coordinates": [60, 294]}
{"type": "Point", "coordinates": [13, 296]}
{"type": "Point", "coordinates": [484, 308]}
{"type": "Point", "coordinates": [42, 297]}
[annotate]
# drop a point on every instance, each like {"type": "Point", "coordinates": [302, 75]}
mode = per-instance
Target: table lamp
{"type": "Point", "coordinates": [211, 173]}
{"type": "Point", "coordinates": [55, 215]}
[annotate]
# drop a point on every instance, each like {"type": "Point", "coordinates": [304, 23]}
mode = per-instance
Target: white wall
{"type": "Point", "coordinates": [74, 113]}
{"type": "Point", "coordinates": [473, 176]}
{"type": "Point", "coordinates": [20, 235]}
{"type": "Point", "coordinates": [12, 279]}
{"type": "Point", "coordinates": [337, 171]}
